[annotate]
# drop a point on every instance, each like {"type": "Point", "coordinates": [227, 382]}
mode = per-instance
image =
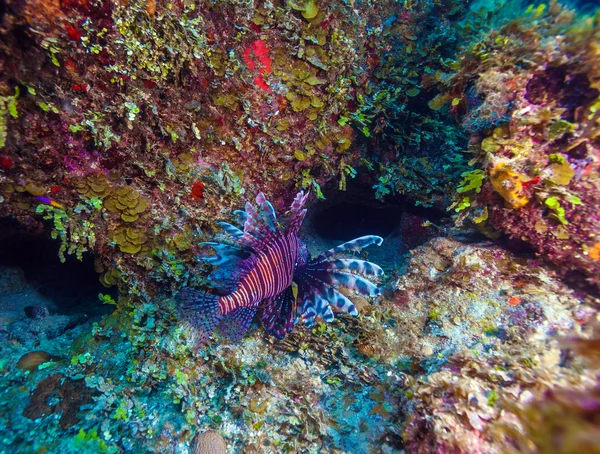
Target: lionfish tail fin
{"type": "Point", "coordinates": [201, 310]}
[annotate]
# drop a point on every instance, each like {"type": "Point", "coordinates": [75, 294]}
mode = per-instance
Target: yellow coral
{"type": "Point", "coordinates": [509, 185]}
{"type": "Point", "coordinates": [34, 189]}
{"type": "Point", "coordinates": [439, 101]}
{"type": "Point", "coordinates": [129, 239]}
{"type": "Point", "coordinates": [183, 240]}
{"type": "Point", "coordinates": [490, 145]}
{"type": "Point", "coordinates": [300, 103]}
{"type": "Point", "coordinates": [561, 173]}
{"type": "Point", "coordinates": [184, 162]}
{"type": "Point", "coordinates": [96, 184]}
{"type": "Point", "coordinates": [311, 10]}
{"type": "Point", "coordinates": [110, 277]}
{"type": "Point", "coordinates": [127, 201]}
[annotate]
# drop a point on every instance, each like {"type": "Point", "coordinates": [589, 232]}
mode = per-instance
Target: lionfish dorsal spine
{"type": "Point", "coordinates": [267, 212]}
{"type": "Point", "coordinates": [297, 212]}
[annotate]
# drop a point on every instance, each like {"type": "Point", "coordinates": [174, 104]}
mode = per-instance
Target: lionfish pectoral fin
{"type": "Point", "coordinates": [235, 323]}
{"type": "Point", "coordinates": [361, 267]}
{"type": "Point", "coordinates": [355, 245]}
{"type": "Point", "coordinates": [279, 312]}
{"type": "Point", "coordinates": [226, 279]}
{"type": "Point", "coordinates": [224, 254]}
{"type": "Point", "coordinates": [230, 229]}
{"type": "Point", "coordinates": [201, 310]}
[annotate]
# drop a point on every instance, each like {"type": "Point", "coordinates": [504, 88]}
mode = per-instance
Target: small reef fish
{"type": "Point", "coordinates": [49, 201]}
{"type": "Point", "coordinates": [268, 269]}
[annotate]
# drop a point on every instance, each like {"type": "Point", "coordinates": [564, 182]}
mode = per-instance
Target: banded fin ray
{"type": "Point", "coordinates": [319, 296]}
{"type": "Point", "coordinates": [355, 245]}
{"type": "Point", "coordinates": [297, 212]}
{"type": "Point", "coordinates": [241, 215]}
{"type": "Point", "coordinates": [230, 229]}
{"type": "Point", "coordinates": [350, 281]}
{"type": "Point", "coordinates": [224, 253]}
{"type": "Point", "coordinates": [257, 227]}
{"type": "Point", "coordinates": [235, 324]}
{"type": "Point", "coordinates": [361, 267]}
{"type": "Point", "coordinates": [267, 212]}
{"type": "Point", "coordinates": [201, 310]}
{"type": "Point", "coordinates": [340, 301]}
{"type": "Point", "coordinates": [320, 306]}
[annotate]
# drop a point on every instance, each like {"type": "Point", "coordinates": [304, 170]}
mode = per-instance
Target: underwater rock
{"type": "Point", "coordinates": [130, 128]}
{"type": "Point", "coordinates": [36, 312]}
{"type": "Point", "coordinates": [12, 280]}
{"type": "Point", "coordinates": [209, 442]}
{"type": "Point", "coordinates": [490, 321]}
{"type": "Point", "coordinates": [57, 394]}
{"type": "Point", "coordinates": [536, 176]}
{"type": "Point", "coordinates": [29, 331]}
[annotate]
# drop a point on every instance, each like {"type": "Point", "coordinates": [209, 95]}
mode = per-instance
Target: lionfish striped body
{"type": "Point", "coordinates": [268, 269]}
{"type": "Point", "coordinates": [271, 274]}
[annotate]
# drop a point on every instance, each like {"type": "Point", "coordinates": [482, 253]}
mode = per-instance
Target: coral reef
{"type": "Point", "coordinates": [460, 356]}
{"type": "Point", "coordinates": [123, 142]}
{"type": "Point", "coordinates": [534, 104]}
{"type": "Point", "coordinates": [486, 330]}
{"type": "Point", "coordinates": [131, 129]}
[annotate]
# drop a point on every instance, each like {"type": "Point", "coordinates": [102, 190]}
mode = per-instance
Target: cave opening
{"type": "Point", "coordinates": [32, 276]}
{"type": "Point", "coordinates": [348, 220]}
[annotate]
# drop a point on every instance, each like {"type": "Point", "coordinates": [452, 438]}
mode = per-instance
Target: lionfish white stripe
{"type": "Point", "coordinates": [253, 281]}
{"type": "Point", "coordinates": [264, 277]}
{"type": "Point", "coordinates": [266, 274]}
{"type": "Point", "coordinates": [276, 263]}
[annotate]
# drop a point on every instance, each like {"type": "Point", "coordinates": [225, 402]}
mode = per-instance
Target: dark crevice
{"type": "Point", "coordinates": [72, 287]}
{"type": "Point", "coordinates": [346, 221]}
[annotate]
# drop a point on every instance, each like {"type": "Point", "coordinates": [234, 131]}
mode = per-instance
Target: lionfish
{"type": "Point", "coordinates": [268, 268]}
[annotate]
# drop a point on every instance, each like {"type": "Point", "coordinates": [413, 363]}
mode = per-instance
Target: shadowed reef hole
{"type": "Point", "coordinates": [346, 221]}
{"type": "Point", "coordinates": [30, 266]}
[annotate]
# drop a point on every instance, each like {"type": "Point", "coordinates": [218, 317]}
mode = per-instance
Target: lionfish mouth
{"type": "Point", "coordinates": [253, 262]}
